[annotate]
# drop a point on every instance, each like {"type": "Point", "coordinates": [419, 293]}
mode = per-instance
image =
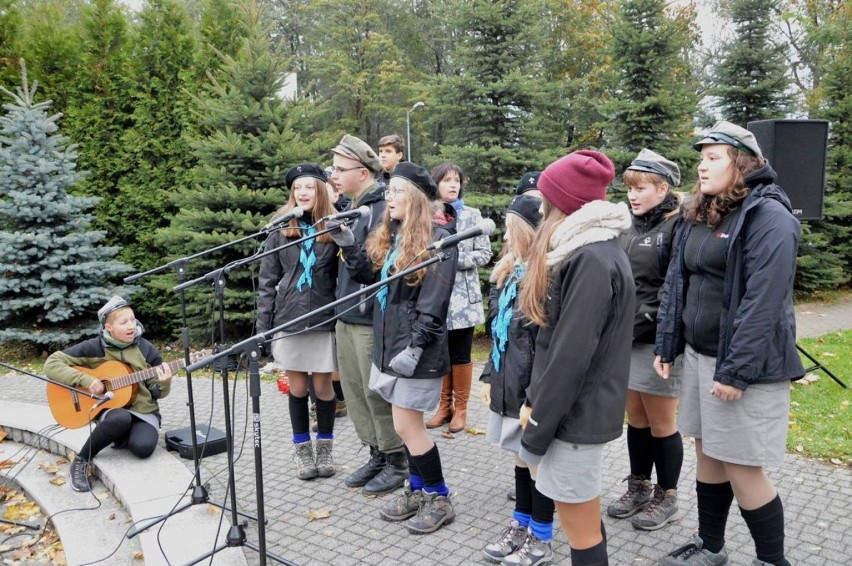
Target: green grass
{"type": "Point", "coordinates": [820, 412]}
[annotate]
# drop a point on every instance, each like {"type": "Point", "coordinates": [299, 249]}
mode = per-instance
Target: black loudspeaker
{"type": "Point", "coordinates": [210, 441]}
{"type": "Point", "coordinates": [796, 149]}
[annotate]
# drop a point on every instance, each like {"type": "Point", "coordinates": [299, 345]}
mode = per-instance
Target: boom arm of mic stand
{"type": "Point", "coordinates": [71, 388]}
{"type": "Point", "coordinates": [246, 260]}
{"type": "Point", "coordinates": [261, 338]}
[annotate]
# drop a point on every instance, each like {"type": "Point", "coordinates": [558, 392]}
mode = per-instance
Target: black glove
{"type": "Point", "coordinates": [343, 236]}
{"type": "Point", "coordinates": [405, 362]}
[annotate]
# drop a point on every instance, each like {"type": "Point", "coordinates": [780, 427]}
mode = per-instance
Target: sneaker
{"type": "Point", "coordinates": [340, 410]}
{"type": "Point", "coordinates": [435, 512]}
{"type": "Point", "coordinates": [637, 498]}
{"type": "Point", "coordinates": [534, 552]}
{"type": "Point", "coordinates": [324, 461]}
{"type": "Point", "coordinates": [403, 506]}
{"type": "Point", "coordinates": [303, 455]}
{"type": "Point", "coordinates": [80, 475]}
{"type": "Point", "coordinates": [511, 540]}
{"type": "Point", "coordinates": [695, 554]}
{"type": "Point", "coordinates": [661, 511]}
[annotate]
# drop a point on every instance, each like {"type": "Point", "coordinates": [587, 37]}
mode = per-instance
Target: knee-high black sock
{"type": "Point", "coordinates": [325, 418]}
{"type": "Point", "coordinates": [668, 459]}
{"type": "Point", "coordinates": [338, 390]}
{"type": "Point", "coordinates": [113, 426]}
{"type": "Point", "coordinates": [542, 506]}
{"type": "Point", "coordinates": [523, 491]}
{"type": "Point", "coordinates": [714, 503]}
{"type": "Point", "coordinates": [299, 419]}
{"type": "Point", "coordinates": [640, 451]}
{"type": "Point", "coordinates": [429, 466]}
{"type": "Point", "coordinates": [595, 556]}
{"type": "Point", "coordinates": [766, 525]}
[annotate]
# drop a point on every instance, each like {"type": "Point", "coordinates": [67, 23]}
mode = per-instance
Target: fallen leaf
{"type": "Point", "coordinates": [447, 434]}
{"type": "Point", "coordinates": [829, 355]}
{"type": "Point", "coordinates": [103, 495]}
{"type": "Point", "coordinates": [5, 548]}
{"type": "Point", "coordinates": [3, 435]}
{"type": "Point", "coordinates": [8, 464]}
{"type": "Point", "coordinates": [800, 448]}
{"type": "Point", "coordinates": [318, 514]}
{"type": "Point", "coordinates": [476, 431]}
{"type": "Point", "coordinates": [837, 461]}
{"type": "Point", "coordinates": [212, 509]}
{"type": "Point", "coordinates": [138, 555]}
{"type": "Point", "coordinates": [111, 517]}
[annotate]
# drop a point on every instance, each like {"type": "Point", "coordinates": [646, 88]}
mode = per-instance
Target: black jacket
{"type": "Point", "coordinates": [582, 359]}
{"type": "Point", "coordinates": [757, 338]}
{"type": "Point", "coordinates": [374, 198]}
{"type": "Point", "coordinates": [414, 316]}
{"type": "Point", "coordinates": [278, 299]}
{"type": "Point", "coordinates": [509, 384]}
{"type": "Point", "coordinates": [648, 246]}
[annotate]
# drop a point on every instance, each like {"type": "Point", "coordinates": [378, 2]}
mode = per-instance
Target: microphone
{"type": "Point", "coordinates": [359, 212]}
{"type": "Point", "coordinates": [108, 396]}
{"type": "Point", "coordinates": [295, 213]}
{"type": "Point", "coordinates": [485, 228]}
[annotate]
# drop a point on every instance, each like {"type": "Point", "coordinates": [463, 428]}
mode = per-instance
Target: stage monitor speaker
{"type": "Point", "coordinates": [181, 440]}
{"type": "Point", "coordinates": [796, 149]}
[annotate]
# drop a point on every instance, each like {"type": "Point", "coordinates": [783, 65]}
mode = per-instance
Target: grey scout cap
{"type": "Point", "coordinates": [730, 134]}
{"type": "Point", "coordinates": [652, 162]}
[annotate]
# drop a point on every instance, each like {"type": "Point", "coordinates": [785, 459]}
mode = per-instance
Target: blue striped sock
{"type": "Point", "coordinates": [542, 531]}
{"type": "Point", "coordinates": [523, 519]}
{"type": "Point", "coordinates": [301, 437]}
{"type": "Point", "coordinates": [324, 436]}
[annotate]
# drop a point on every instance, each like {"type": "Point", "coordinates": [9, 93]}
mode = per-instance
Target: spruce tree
{"type": "Point", "coordinates": [497, 115]}
{"type": "Point", "coordinates": [653, 97]}
{"type": "Point", "coordinates": [245, 144]}
{"type": "Point", "coordinates": [750, 81]}
{"type": "Point", "coordinates": [56, 273]}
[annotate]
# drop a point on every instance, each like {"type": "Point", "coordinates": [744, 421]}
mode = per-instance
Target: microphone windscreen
{"type": "Point", "coordinates": [297, 212]}
{"type": "Point", "coordinates": [363, 210]}
{"type": "Point", "coordinates": [487, 226]}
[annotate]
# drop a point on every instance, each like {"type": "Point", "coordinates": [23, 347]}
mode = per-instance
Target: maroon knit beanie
{"type": "Point", "coordinates": [577, 178]}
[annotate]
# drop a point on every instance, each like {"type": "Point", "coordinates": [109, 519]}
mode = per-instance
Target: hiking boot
{"type": "Point", "coordinates": [392, 476]}
{"type": "Point", "coordinates": [694, 554]}
{"type": "Point", "coordinates": [533, 552]}
{"type": "Point", "coordinates": [435, 512]}
{"type": "Point", "coordinates": [661, 511]}
{"type": "Point", "coordinates": [303, 455]}
{"type": "Point", "coordinates": [340, 410]}
{"type": "Point", "coordinates": [80, 475]}
{"type": "Point", "coordinates": [637, 498]}
{"type": "Point", "coordinates": [403, 506]}
{"type": "Point", "coordinates": [368, 471]}
{"type": "Point", "coordinates": [324, 461]}
{"type": "Point", "coordinates": [511, 539]}
{"type": "Point", "coordinates": [313, 415]}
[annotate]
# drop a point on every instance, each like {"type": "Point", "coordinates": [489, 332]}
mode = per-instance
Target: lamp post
{"type": "Point", "coordinates": [408, 125]}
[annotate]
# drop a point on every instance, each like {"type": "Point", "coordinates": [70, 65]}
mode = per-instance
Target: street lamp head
{"type": "Point", "coordinates": [417, 105]}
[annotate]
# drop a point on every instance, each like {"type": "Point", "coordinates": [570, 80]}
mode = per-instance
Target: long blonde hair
{"type": "Point", "coordinates": [415, 233]}
{"type": "Point", "coordinates": [536, 283]}
{"type": "Point", "coordinates": [322, 207]}
{"type": "Point", "coordinates": [517, 249]}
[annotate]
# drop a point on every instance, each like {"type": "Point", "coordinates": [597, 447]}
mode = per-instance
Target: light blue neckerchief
{"type": "Point", "coordinates": [390, 259]}
{"type": "Point", "coordinates": [307, 257]}
{"type": "Point", "coordinates": [458, 205]}
{"type": "Point", "coordinates": [505, 308]}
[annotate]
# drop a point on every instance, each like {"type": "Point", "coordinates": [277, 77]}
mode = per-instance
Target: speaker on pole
{"type": "Point", "coordinates": [796, 149]}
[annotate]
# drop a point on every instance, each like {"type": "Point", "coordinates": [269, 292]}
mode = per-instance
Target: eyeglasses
{"type": "Point", "coordinates": [394, 192]}
{"type": "Point", "coordinates": [340, 170]}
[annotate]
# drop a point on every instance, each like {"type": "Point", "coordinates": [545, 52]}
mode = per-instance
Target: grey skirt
{"type": "Point", "coordinates": [506, 432]}
{"type": "Point", "coordinates": [307, 352]}
{"type": "Point", "coordinates": [418, 394]}
{"type": "Point", "coordinates": [644, 378]}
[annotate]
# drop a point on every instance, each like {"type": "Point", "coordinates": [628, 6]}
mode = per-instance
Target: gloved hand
{"type": "Point", "coordinates": [486, 394]}
{"type": "Point", "coordinates": [405, 362]}
{"type": "Point", "coordinates": [343, 237]}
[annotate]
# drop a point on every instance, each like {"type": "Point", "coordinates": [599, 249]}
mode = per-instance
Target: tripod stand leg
{"type": "Point", "coordinates": [819, 366]}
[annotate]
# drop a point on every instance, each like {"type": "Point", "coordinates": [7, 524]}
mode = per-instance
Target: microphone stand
{"type": "Point", "coordinates": [200, 490]}
{"type": "Point", "coordinates": [251, 347]}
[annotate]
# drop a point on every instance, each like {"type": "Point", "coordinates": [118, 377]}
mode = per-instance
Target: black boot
{"type": "Point", "coordinates": [368, 471]}
{"type": "Point", "coordinates": [391, 478]}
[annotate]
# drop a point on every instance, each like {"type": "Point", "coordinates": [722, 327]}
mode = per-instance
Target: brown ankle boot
{"type": "Point", "coordinates": [445, 407]}
{"type": "Point", "coordinates": [461, 392]}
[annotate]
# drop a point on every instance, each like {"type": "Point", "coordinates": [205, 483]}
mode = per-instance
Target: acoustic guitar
{"type": "Point", "coordinates": [74, 411]}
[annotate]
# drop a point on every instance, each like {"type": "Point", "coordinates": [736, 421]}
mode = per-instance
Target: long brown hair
{"type": "Point", "coordinates": [536, 283]}
{"type": "Point", "coordinates": [322, 207]}
{"type": "Point", "coordinates": [517, 249]}
{"type": "Point", "coordinates": [415, 233]}
{"type": "Point", "coordinates": [632, 177]}
{"type": "Point", "coordinates": [708, 210]}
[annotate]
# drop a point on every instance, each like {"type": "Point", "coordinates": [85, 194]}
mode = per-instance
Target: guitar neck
{"type": "Point", "coordinates": [145, 374]}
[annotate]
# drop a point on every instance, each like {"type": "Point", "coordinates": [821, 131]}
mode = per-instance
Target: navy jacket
{"type": "Point", "coordinates": [757, 338]}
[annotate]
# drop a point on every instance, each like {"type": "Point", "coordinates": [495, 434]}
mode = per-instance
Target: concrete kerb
{"type": "Point", "coordinates": [145, 488]}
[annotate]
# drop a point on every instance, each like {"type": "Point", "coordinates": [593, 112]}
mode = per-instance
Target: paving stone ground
{"type": "Point", "coordinates": [817, 497]}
